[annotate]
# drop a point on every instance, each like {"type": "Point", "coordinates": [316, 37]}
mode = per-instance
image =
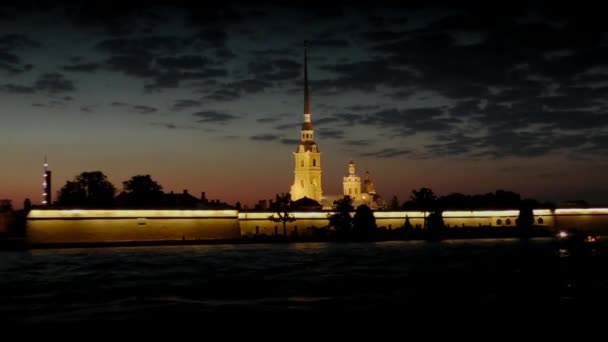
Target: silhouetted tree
{"type": "Point", "coordinates": [525, 220]}
{"type": "Point", "coordinates": [407, 225]}
{"type": "Point", "coordinates": [364, 222]}
{"type": "Point", "coordinates": [27, 205]}
{"type": "Point", "coordinates": [341, 219]}
{"type": "Point", "coordinates": [237, 205]}
{"type": "Point", "coordinates": [142, 191]}
{"type": "Point", "coordinates": [423, 199]}
{"type": "Point", "coordinates": [88, 190]}
{"type": "Point", "coordinates": [394, 204]}
{"type": "Point", "coordinates": [435, 224]}
{"type": "Point", "coordinates": [282, 209]}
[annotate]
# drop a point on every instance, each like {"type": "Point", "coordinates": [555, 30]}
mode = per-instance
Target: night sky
{"type": "Point", "coordinates": [210, 98]}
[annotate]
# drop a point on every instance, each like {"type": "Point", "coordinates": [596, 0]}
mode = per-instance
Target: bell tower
{"type": "Point", "coordinates": [307, 173]}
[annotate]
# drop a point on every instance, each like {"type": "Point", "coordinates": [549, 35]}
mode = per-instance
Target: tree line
{"type": "Point", "coordinates": [94, 190]}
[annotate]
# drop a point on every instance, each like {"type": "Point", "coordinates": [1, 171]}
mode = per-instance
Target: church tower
{"type": "Point", "coordinates": [352, 183]}
{"type": "Point", "coordinates": [307, 174]}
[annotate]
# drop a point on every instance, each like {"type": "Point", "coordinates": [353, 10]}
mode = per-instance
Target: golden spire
{"type": "Point", "coordinates": [306, 95]}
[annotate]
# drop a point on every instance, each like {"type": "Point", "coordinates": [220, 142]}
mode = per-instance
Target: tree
{"type": "Point", "coordinates": [525, 220]}
{"type": "Point", "coordinates": [142, 191]}
{"type": "Point", "coordinates": [394, 204]}
{"type": "Point", "coordinates": [424, 199]}
{"type": "Point", "coordinates": [341, 219]}
{"type": "Point", "coordinates": [27, 205]}
{"type": "Point", "coordinates": [87, 190]}
{"type": "Point", "coordinates": [282, 209]}
{"type": "Point", "coordinates": [407, 224]}
{"type": "Point", "coordinates": [435, 224]}
{"type": "Point", "coordinates": [364, 222]}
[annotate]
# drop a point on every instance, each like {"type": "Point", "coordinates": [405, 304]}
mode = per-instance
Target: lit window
{"type": "Point", "coordinates": [314, 162]}
{"type": "Point", "coordinates": [301, 163]}
{"type": "Point", "coordinates": [350, 191]}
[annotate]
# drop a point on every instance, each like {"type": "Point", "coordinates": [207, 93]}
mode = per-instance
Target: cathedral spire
{"type": "Point", "coordinates": [306, 95]}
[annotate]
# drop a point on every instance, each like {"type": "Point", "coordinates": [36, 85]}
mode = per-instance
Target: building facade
{"type": "Point", "coordinates": [351, 183]}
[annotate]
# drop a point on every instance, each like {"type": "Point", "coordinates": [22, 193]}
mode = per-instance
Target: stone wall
{"type": "Point", "coordinates": [65, 226]}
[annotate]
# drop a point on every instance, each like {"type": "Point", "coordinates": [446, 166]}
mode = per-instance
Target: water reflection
{"type": "Point", "coordinates": [170, 282]}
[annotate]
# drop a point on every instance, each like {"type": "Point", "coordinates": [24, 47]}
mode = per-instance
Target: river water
{"type": "Point", "coordinates": [174, 283]}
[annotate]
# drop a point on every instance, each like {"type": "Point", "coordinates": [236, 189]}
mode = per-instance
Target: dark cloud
{"type": "Point", "coordinates": [128, 18]}
{"type": "Point", "coordinates": [141, 109]}
{"type": "Point", "coordinates": [386, 153]}
{"type": "Point", "coordinates": [270, 119]}
{"type": "Point", "coordinates": [173, 78]}
{"type": "Point", "coordinates": [215, 14]}
{"type": "Point", "coordinates": [381, 35]}
{"type": "Point", "coordinates": [210, 38]}
{"type": "Point", "coordinates": [17, 89]}
{"type": "Point", "coordinates": [331, 133]}
{"type": "Point", "coordinates": [49, 104]}
{"type": "Point", "coordinates": [223, 95]}
{"type": "Point", "coordinates": [224, 54]}
{"type": "Point", "coordinates": [363, 142]}
{"type": "Point", "coordinates": [88, 109]}
{"type": "Point", "coordinates": [10, 44]}
{"type": "Point", "coordinates": [286, 141]}
{"type": "Point", "coordinates": [140, 46]}
{"type": "Point", "coordinates": [171, 126]}
{"type": "Point", "coordinates": [180, 105]}
{"type": "Point", "coordinates": [82, 67]}
{"type": "Point", "coordinates": [331, 43]}
{"type": "Point", "coordinates": [275, 52]}
{"type": "Point", "coordinates": [54, 83]}
{"type": "Point", "coordinates": [505, 144]}
{"type": "Point", "coordinates": [138, 66]}
{"type": "Point", "coordinates": [249, 86]}
{"type": "Point", "coordinates": [288, 126]}
{"type": "Point", "coordinates": [409, 121]}
{"type": "Point", "coordinates": [325, 120]}
{"type": "Point", "coordinates": [212, 116]}
{"type": "Point", "coordinates": [361, 108]}
{"type": "Point", "coordinates": [264, 137]}
{"type": "Point", "coordinates": [275, 70]}
{"type": "Point", "coordinates": [365, 76]}
{"type": "Point", "coordinates": [17, 41]}
{"type": "Point", "coordinates": [234, 90]}
{"type": "Point", "coordinates": [9, 58]}
{"type": "Point", "coordinates": [183, 62]}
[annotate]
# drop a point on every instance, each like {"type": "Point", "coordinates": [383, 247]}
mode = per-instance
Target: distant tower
{"type": "Point", "coordinates": [46, 185]}
{"type": "Point", "coordinates": [352, 183]}
{"type": "Point", "coordinates": [307, 174]}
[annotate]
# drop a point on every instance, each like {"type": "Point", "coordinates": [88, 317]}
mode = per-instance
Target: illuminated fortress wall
{"type": "Point", "coordinates": [591, 220]}
{"type": "Point", "coordinates": [65, 226]}
{"type": "Point", "coordinates": [389, 220]}
{"type": "Point", "coordinates": [249, 221]}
